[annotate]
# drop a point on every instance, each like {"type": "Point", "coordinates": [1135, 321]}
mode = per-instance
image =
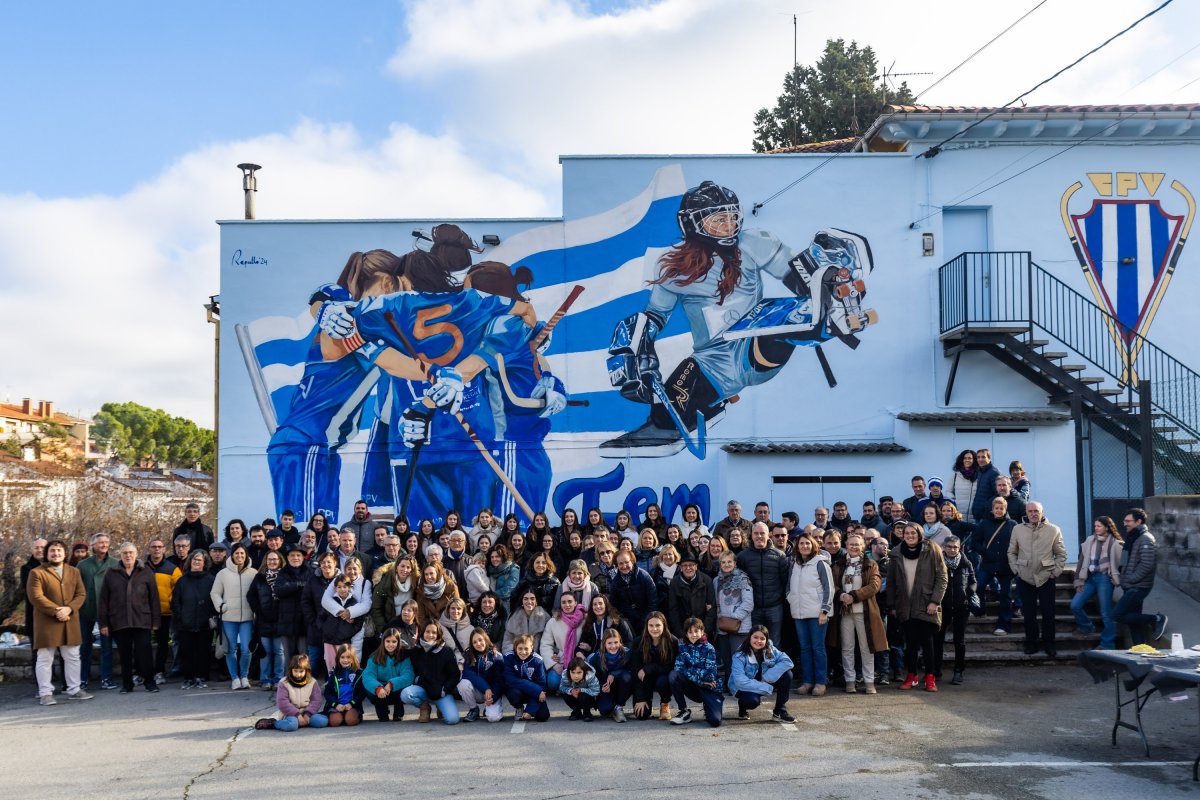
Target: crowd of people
{"type": "Point", "coordinates": [606, 612]}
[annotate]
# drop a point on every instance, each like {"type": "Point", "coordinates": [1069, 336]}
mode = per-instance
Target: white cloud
{"type": "Point", "coordinates": [106, 293]}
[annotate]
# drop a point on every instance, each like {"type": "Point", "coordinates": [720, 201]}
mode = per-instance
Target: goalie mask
{"type": "Point", "coordinates": [710, 214]}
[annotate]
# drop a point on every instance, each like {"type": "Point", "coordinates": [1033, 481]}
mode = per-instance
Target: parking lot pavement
{"type": "Point", "coordinates": [1015, 732]}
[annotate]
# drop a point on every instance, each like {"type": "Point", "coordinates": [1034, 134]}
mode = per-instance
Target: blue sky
{"type": "Point", "coordinates": [125, 120]}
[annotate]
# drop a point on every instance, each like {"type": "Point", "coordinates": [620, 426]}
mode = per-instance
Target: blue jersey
{"type": "Point", "coordinates": [444, 328]}
{"type": "Point", "coordinates": [328, 404]}
{"type": "Point", "coordinates": [514, 370]}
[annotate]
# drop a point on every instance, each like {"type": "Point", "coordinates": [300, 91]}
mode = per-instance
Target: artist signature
{"type": "Point", "coordinates": [247, 261]}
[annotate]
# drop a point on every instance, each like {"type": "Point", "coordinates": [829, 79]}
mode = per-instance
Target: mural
{"type": "Point", "coordinates": [450, 372]}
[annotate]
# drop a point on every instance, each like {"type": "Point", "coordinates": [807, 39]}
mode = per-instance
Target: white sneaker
{"type": "Point", "coordinates": [236, 684]}
{"type": "Point", "coordinates": [683, 717]}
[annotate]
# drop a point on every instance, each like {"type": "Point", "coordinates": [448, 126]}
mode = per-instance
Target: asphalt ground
{"type": "Point", "coordinates": [1009, 732]}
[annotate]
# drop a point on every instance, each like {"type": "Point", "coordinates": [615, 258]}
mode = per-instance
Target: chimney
{"type": "Point", "coordinates": [26, 406]}
{"type": "Point", "coordinates": [47, 407]}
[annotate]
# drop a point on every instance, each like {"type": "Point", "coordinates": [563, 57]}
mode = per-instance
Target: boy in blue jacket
{"type": "Point", "coordinates": [525, 680]}
{"type": "Point", "coordinates": [695, 676]}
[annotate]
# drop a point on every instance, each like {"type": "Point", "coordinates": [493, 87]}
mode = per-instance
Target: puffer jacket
{"type": "Point", "coordinates": [1138, 558]}
{"type": "Point", "coordinates": [310, 607]}
{"type": "Point", "coordinates": [768, 572]}
{"type": "Point", "coordinates": [544, 587]}
{"type": "Point", "coordinates": [962, 491]}
{"type": "Point", "coordinates": [697, 662]}
{"type": "Point", "coordinates": [634, 596]}
{"type": "Point", "coordinates": [985, 492]}
{"type": "Point", "coordinates": [929, 584]}
{"type": "Point", "coordinates": [1037, 554]}
{"type": "Point", "coordinates": [191, 601]}
{"type": "Point", "coordinates": [810, 587]}
{"type": "Point", "coordinates": [231, 591]}
{"type": "Point", "coordinates": [397, 672]}
{"type": "Point", "coordinates": [744, 668]}
{"type": "Point", "coordinates": [504, 580]}
{"type": "Point", "coordinates": [735, 597]}
{"type": "Point", "coordinates": [960, 582]}
{"type": "Point", "coordinates": [166, 575]}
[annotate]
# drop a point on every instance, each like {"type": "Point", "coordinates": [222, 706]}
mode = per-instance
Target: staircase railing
{"type": "Point", "coordinates": [1007, 289]}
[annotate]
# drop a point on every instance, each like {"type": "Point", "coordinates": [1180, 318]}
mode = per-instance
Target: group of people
{"type": "Point", "coordinates": [604, 612]}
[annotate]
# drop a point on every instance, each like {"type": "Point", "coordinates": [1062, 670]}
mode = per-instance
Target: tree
{"type": "Point", "coordinates": [135, 433]}
{"type": "Point", "coordinates": [836, 98]}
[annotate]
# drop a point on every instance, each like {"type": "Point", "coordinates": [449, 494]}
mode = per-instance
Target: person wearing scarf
{"type": "Point", "coordinates": [456, 629]}
{"type": "Point", "coordinates": [490, 615]}
{"type": "Point", "coordinates": [916, 583]}
{"type": "Point", "coordinates": [396, 584]}
{"type": "Point", "coordinates": [265, 604]}
{"type": "Point", "coordinates": [956, 607]}
{"type": "Point", "coordinates": [435, 591]}
{"type": "Point", "coordinates": [1096, 575]}
{"type": "Point", "coordinates": [559, 639]}
{"type": "Point", "coordinates": [856, 584]}
{"type": "Point", "coordinates": [577, 583]}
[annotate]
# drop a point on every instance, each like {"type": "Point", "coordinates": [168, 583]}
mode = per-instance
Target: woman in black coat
{"type": "Point", "coordinates": [310, 609]}
{"type": "Point", "coordinates": [437, 676]}
{"type": "Point", "coordinates": [192, 611]}
{"type": "Point", "coordinates": [265, 604]}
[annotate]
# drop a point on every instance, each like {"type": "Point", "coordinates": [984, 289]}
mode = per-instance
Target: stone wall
{"type": "Point", "coordinates": [1175, 523]}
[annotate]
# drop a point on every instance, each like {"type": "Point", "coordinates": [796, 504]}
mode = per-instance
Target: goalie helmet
{"type": "Point", "coordinates": [711, 214]}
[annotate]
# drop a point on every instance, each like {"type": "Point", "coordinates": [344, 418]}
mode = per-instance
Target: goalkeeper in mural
{"type": "Point", "coordinates": [739, 339]}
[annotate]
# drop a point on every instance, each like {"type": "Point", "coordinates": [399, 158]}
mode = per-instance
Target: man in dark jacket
{"type": "Point", "coordinates": [956, 605]}
{"type": "Point", "coordinates": [985, 484]}
{"type": "Point", "coordinates": [201, 535]}
{"type": "Point", "coordinates": [691, 594]}
{"type": "Point", "coordinates": [734, 519]}
{"type": "Point", "coordinates": [1016, 503]}
{"type": "Point", "coordinates": [632, 591]}
{"type": "Point", "coordinates": [990, 542]}
{"type": "Point", "coordinates": [1139, 556]}
{"type": "Point", "coordinates": [767, 569]}
{"type": "Point", "coordinates": [841, 517]}
{"type": "Point", "coordinates": [130, 613]}
{"type": "Point", "coordinates": [362, 525]}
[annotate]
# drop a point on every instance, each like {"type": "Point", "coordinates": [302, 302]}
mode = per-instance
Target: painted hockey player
{"type": "Point", "coordinates": [716, 274]}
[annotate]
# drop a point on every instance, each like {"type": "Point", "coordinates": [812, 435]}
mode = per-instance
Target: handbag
{"type": "Point", "coordinates": [369, 627]}
{"type": "Point", "coordinates": [729, 624]}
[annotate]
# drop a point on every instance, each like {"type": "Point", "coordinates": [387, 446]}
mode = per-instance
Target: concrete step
{"type": "Point", "coordinates": [1091, 380]}
{"type": "Point", "coordinates": [1066, 655]}
{"type": "Point", "coordinates": [1014, 642]}
{"type": "Point", "coordinates": [1072, 367]}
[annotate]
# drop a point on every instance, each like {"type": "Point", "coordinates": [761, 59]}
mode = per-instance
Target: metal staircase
{"type": "Point", "coordinates": [1006, 305]}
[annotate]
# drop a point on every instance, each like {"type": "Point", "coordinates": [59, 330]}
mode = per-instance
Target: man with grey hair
{"type": "Point", "coordinates": [734, 520]}
{"type": "Point", "coordinates": [347, 542]}
{"type": "Point", "coordinates": [93, 569]}
{"type": "Point", "coordinates": [130, 612]}
{"type": "Point", "coordinates": [1037, 555]}
{"type": "Point", "coordinates": [767, 568]}
{"type": "Point", "coordinates": [1016, 503]}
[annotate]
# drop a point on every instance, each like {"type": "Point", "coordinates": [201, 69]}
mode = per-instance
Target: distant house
{"type": "Point", "coordinates": [25, 423]}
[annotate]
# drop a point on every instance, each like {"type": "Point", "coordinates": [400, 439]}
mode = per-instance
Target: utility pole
{"type": "Point", "coordinates": [213, 308]}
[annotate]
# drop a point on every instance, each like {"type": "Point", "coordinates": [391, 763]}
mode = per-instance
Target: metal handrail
{"type": "Point", "coordinates": [989, 289]}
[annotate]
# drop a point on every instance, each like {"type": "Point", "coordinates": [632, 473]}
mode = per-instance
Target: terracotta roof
{"type": "Point", "coordinates": [804, 448]}
{"type": "Point", "coordinates": [986, 417]}
{"type": "Point", "coordinates": [1144, 109]}
{"type": "Point", "coordinates": [14, 412]}
{"type": "Point", "coordinates": [831, 146]}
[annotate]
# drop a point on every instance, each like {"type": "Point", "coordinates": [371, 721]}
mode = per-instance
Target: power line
{"type": "Point", "coordinates": [933, 151]}
{"type": "Point", "coordinates": [1031, 167]}
{"type": "Point", "coordinates": [980, 50]}
{"type": "Point", "coordinates": [1160, 69]}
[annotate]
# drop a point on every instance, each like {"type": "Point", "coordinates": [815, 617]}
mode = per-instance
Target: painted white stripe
{"type": "Point", "coordinates": [1109, 270]}
{"type": "Point", "coordinates": [789, 726]}
{"type": "Point", "coordinates": [600, 289]}
{"type": "Point", "coordinates": [352, 403]}
{"type": "Point", "coordinates": [269, 328]}
{"type": "Point", "coordinates": [276, 376]}
{"type": "Point", "coordinates": [518, 725]}
{"type": "Point", "coordinates": [1145, 254]}
{"type": "Point", "coordinates": [667, 182]}
{"type": "Point", "coordinates": [1066, 764]}
{"type": "Point", "coordinates": [586, 372]}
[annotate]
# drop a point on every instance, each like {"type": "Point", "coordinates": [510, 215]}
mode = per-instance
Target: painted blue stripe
{"type": "Point", "coordinates": [607, 411]}
{"type": "Point", "coordinates": [1093, 231]}
{"type": "Point", "coordinates": [1160, 237]}
{"type": "Point", "coordinates": [1128, 299]}
{"type": "Point", "coordinates": [658, 228]}
{"type": "Point", "coordinates": [282, 351]}
{"type": "Point", "coordinates": [592, 329]}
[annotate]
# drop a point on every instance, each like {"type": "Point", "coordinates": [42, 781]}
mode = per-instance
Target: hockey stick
{"type": "Point", "coordinates": [828, 370]}
{"type": "Point", "coordinates": [483, 451]}
{"type": "Point", "coordinates": [554, 318]}
{"type": "Point", "coordinates": [697, 445]}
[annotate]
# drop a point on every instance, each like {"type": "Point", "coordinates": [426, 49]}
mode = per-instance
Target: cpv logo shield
{"type": "Point", "coordinates": [1128, 241]}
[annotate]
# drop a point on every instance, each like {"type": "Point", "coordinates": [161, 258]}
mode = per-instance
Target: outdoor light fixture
{"type": "Point", "coordinates": [926, 244]}
{"type": "Point", "coordinates": [491, 239]}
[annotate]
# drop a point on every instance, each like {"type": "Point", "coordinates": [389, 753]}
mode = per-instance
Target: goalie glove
{"type": "Point", "coordinates": [414, 425]}
{"type": "Point", "coordinates": [632, 363]}
{"type": "Point", "coordinates": [447, 389]}
{"type": "Point", "coordinates": [553, 390]}
{"type": "Point", "coordinates": [334, 319]}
